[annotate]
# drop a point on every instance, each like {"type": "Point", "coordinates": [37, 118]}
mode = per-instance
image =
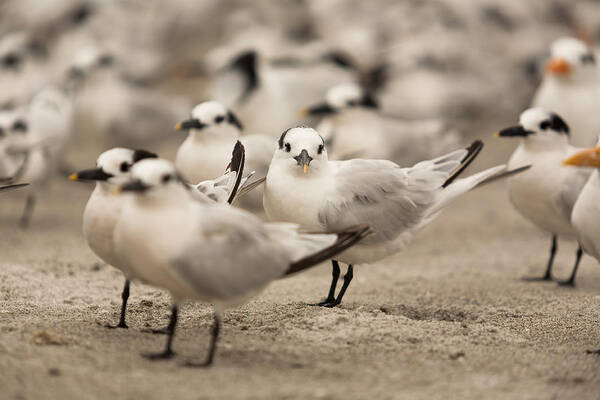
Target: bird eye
{"type": "Point", "coordinates": [19, 126]}
{"type": "Point", "coordinates": [288, 148]}
{"type": "Point", "coordinates": [219, 119]}
{"type": "Point", "coordinates": [320, 149]}
{"type": "Point", "coordinates": [588, 58]}
{"type": "Point", "coordinates": [11, 60]}
{"type": "Point", "coordinates": [124, 167]}
{"type": "Point", "coordinates": [166, 178]}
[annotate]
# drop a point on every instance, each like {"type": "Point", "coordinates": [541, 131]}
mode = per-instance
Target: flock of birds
{"type": "Point", "coordinates": [333, 192]}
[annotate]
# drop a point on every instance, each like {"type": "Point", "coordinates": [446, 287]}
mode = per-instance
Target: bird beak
{"type": "Point", "coordinates": [585, 158]}
{"type": "Point", "coordinates": [517, 130]}
{"type": "Point", "coordinates": [133, 186]}
{"type": "Point", "coordinates": [558, 66]}
{"type": "Point", "coordinates": [303, 159]}
{"type": "Point", "coordinates": [95, 174]}
{"type": "Point", "coordinates": [189, 124]}
{"type": "Point", "coordinates": [317, 109]}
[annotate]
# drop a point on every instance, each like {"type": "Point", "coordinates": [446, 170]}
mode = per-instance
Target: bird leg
{"type": "Point", "coordinates": [167, 353]}
{"type": "Point", "coordinates": [571, 280]}
{"type": "Point", "coordinates": [347, 278]}
{"type": "Point", "coordinates": [335, 275]}
{"type": "Point", "coordinates": [213, 345]}
{"type": "Point", "coordinates": [548, 275]}
{"type": "Point", "coordinates": [125, 297]}
{"type": "Point", "coordinates": [27, 211]}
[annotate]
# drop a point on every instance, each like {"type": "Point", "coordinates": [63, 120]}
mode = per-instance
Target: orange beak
{"type": "Point", "coordinates": [585, 158]}
{"type": "Point", "coordinates": [558, 66]}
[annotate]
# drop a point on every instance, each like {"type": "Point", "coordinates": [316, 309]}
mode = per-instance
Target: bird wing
{"type": "Point", "coordinates": [231, 253]}
{"type": "Point", "coordinates": [385, 196]}
{"type": "Point", "coordinates": [564, 201]}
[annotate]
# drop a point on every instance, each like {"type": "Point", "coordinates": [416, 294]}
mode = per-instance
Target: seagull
{"type": "Point", "coordinates": [546, 194]}
{"type": "Point", "coordinates": [212, 253]}
{"type": "Point", "coordinates": [304, 187]}
{"type": "Point", "coordinates": [586, 212]}
{"type": "Point", "coordinates": [354, 127]}
{"type": "Point", "coordinates": [103, 209]}
{"type": "Point", "coordinates": [571, 88]}
{"type": "Point", "coordinates": [213, 130]}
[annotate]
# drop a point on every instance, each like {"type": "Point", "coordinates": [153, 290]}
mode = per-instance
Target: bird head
{"type": "Point", "coordinates": [341, 97]}
{"type": "Point", "coordinates": [211, 118]}
{"type": "Point", "coordinates": [570, 59]}
{"type": "Point", "coordinates": [302, 150]}
{"type": "Point", "coordinates": [539, 125]}
{"type": "Point", "coordinates": [113, 166]}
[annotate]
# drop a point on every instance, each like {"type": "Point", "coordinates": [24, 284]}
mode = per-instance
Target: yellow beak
{"type": "Point", "coordinates": [497, 134]}
{"type": "Point", "coordinates": [305, 168]}
{"type": "Point", "coordinates": [303, 113]}
{"type": "Point", "coordinates": [178, 127]}
{"type": "Point", "coordinates": [117, 190]}
{"type": "Point", "coordinates": [558, 66]}
{"type": "Point", "coordinates": [74, 177]}
{"type": "Point", "coordinates": [585, 158]}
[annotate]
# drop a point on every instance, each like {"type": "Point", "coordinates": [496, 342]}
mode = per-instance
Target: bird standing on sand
{"type": "Point", "coordinates": [546, 193]}
{"type": "Point", "coordinates": [304, 187]}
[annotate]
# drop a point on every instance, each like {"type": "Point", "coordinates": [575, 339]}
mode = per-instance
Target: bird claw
{"type": "Point", "coordinates": [323, 303]}
{"type": "Point", "coordinates": [568, 283]}
{"type": "Point", "coordinates": [118, 326]}
{"type": "Point", "coordinates": [165, 355]}
{"type": "Point", "coordinates": [196, 364]}
{"type": "Point", "coordinates": [544, 278]}
{"type": "Point", "coordinates": [161, 331]}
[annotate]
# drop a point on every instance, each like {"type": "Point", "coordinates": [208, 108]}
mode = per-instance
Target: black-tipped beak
{"type": "Point", "coordinates": [303, 159]}
{"type": "Point", "coordinates": [95, 174]}
{"type": "Point", "coordinates": [190, 124]}
{"type": "Point", "coordinates": [517, 130]}
{"type": "Point", "coordinates": [318, 109]}
{"type": "Point", "coordinates": [135, 186]}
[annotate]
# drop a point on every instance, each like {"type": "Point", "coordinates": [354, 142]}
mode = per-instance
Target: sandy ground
{"type": "Point", "coordinates": [449, 318]}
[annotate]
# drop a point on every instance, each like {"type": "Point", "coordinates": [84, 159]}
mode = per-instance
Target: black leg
{"type": "Point", "coordinates": [347, 279]}
{"type": "Point", "coordinates": [571, 280]}
{"type": "Point", "coordinates": [27, 211]}
{"type": "Point", "coordinates": [125, 297]}
{"type": "Point", "coordinates": [167, 353]}
{"type": "Point", "coordinates": [213, 345]}
{"type": "Point", "coordinates": [548, 275]}
{"type": "Point", "coordinates": [335, 275]}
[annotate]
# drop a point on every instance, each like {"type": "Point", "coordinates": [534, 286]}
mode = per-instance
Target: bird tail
{"type": "Point", "coordinates": [238, 159]}
{"type": "Point", "coordinates": [345, 239]}
{"type": "Point", "coordinates": [460, 186]}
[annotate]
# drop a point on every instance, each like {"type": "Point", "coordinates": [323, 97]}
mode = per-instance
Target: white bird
{"type": "Point", "coordinates": [37, 141]}
{"type": "Point", "coordinates": [546, 193]}
{"type": "Point", "coordinates": [103, 208]}
{"type": "Point", "coordinates": [213, 130]}
{"type": "Point", "coordinates": [354, 127]}
{"type": "Point", "coordinates": [304, 187]}
{"type": "Point", "coordinates": [586, 212]}
{"type": "Point", "coordinates": [571, 88]}
{"type": "Point", "coordinates": [211, 253]}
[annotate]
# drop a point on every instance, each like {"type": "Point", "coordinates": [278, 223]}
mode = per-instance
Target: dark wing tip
{"type": "Point", "coordinates": [345, 240]}
{"type": "Point", "coordinates": [238, 159]}
{"type": "Point", "coordinates": [472, 152]}
{"type": "Point", "coordinates": [12, 187]}
{"type": "Point", "coordinates": [141, 154]}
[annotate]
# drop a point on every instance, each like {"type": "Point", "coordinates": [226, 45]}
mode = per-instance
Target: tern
{"type": "Point", "coordinates": [304, 187]}
{"type": "Point", "coordinates": [546, 193]}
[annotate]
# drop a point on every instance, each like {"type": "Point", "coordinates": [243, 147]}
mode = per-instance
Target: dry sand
{"type": "Point", "coordinates": [449, 318]}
